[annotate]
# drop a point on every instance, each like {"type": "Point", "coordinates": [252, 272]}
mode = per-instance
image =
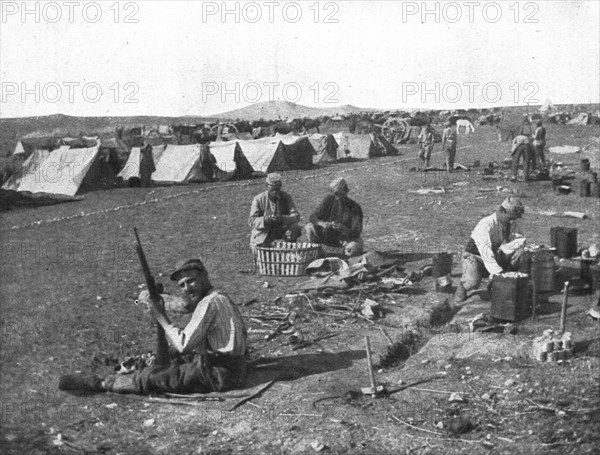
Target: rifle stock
{"type": "Point", "coordinates": [162, 348]}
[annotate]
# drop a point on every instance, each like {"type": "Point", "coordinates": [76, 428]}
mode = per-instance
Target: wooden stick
{"type": "Point", "coordinates": [386, 335]}
{"type": "Point", "coordinates": [439, 391]}
{"type": "Point", "coordinates": [563, 312]}
{"type": "Point", "coordinates": [370, 364]}
{"type": "Point", "coordinates": [254, 395]}
{"type": "Point", "coordinates": [416, 428]}
{"type": "Point", "coordinates": [533, 297]}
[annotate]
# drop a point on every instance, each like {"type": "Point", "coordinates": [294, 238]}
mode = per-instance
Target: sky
{"type": "Point", "coordinates": [177, 58]}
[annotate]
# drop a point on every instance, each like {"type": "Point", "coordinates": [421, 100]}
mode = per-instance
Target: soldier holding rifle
{"type": "Point", "coordinates": [212, 346]}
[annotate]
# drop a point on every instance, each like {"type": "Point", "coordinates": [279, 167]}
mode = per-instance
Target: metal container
{"type": "Point", "coordinates": [510, 296]}
{"type": "Point", "coordinates": [585, 165]}
{"type": "Point", "coordinates": [584, 188]}
{"type": "Point", "coordinates": [543, 270]}
{"type": "Point", "coordinates": [442, 264]}
{"type": "Point", "coordinates": [595, 276]}
{"type": "Point", "coordinates": [564, 240]}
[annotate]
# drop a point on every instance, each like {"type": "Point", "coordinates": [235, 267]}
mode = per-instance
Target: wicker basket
{"type": "Point", "coordinates": [286, 258]}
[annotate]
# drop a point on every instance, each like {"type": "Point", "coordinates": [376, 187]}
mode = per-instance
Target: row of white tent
{"type": "Point", "coordinates": [67, 171]}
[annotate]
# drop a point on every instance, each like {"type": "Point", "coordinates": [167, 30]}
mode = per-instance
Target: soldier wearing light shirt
{"type": "Point", "coordinates": [495, 246]}
{"type": "Point", "coordinates": [210, 352]}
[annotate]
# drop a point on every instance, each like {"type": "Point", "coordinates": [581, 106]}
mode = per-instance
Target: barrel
{"type": "Point", "coordinates": [565, 241]}
{"type": "Point", "coordinates": [543, 270]}
{"type": "Point", "coordinates": [585, 165]}
{"type": "Point", "coordinates": [442, 264]}
{"type": "Point", "coordinates": [595, 189]}
{"type": "Point", "coordinates": [584, 188]}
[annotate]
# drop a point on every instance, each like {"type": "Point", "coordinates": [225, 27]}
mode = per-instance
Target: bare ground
{"type": "Point", "coordinates": [70, 277]}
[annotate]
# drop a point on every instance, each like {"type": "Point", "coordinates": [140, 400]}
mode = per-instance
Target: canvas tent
{"type": "Point", "coordinates": [359, 146]}
{"type": "Point", "coordinates": [279, 153]}
{"type": "Point", "coordinates": [326, 148]}
{"type": "Point", "coordinates": [582, 119]}
{"type": "Point", "coordinates": [511, 125]}
{"type": "Point", "coordinates": [234, 137]}
{"type": "Point", "coordinates": [26, 146]}
{"type": "Point", "coordinates": [183, 164]}
{"type": "Point", "coordinates": [230, 160]}
{"type": "Point", "coordinates": [131, 170]}
{"type": "Point", "coordinates": [547, 107]}
{"type": "Point", "coordinates": [66, 171]}
{"type": "Point", "coordinates": [28, 169]}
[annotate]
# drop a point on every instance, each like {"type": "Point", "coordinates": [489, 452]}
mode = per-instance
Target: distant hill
{"type": "Point", "coordinates": [274, 110]}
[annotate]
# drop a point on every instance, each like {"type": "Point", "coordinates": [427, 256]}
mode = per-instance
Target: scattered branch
{"type": "Point", "coordinates": [416, 428]}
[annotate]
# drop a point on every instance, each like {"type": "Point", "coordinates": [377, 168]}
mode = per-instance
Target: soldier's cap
{"type": "Point", "coordinates": [274, 179]}
{"type": "Point", "coordinates": [185, 265]}
{"type": "Point", "coordinates": [339, 184]}
{"type": "Point", "coordinates": [514, 206]}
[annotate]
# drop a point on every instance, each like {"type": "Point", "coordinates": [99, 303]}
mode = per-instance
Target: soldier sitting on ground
{"type": "Point", "coordinates": [209, 354]}
{"type": "Point", "coordinates": [337, 221]}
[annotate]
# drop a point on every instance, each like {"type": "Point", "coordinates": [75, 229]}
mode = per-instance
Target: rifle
{"type": "Point", "coordinates": [162, 348]}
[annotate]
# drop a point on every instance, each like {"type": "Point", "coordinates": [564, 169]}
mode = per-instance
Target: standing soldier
{"type": "Point", "coordinates": [426, 141]}
{"type": "Point", "coordinates": [147, 166]}
{"type": "Point", "coordinates": [449, 145]}
{"type": "Point", "coordinates": [539, 143]}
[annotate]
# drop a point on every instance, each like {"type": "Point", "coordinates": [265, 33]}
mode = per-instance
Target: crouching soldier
{"type": "Point", "coordinates": [338, 221]}
{"type": "Point", "coordinates": [483, 254]}
{"type": "Point", "coordinates": [212, 347]}
{"type": "Point", "coordinates": [521, 147]}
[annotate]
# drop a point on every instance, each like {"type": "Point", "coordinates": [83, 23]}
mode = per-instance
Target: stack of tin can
{"type": "Point", "coordinates": [553, 347]}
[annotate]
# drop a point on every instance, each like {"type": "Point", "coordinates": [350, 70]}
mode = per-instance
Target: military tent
{"type": "Point", "coordinates": [131, 170]}
{"type": "Point", "coordinates": [326, 147]}
{"type": "Point", "coordinates": [234, 137]}
{"type": "Point", "coordinates": [363, 146]}
{"type": "Point", "coordinates": [316, 140]}
{"type": "Point", "coordinates": [279, 153]}
{"type": "Point", "coordinates": [582, 119]}
{"type": "Point", "coordinates": [511, 125]}
{"type": "Point", "coordinates": [28, 169]}
{"type": "Point", "coordinates": [67, 171]}
{"type": "Point", "coordinates": [547, 107]}
{"type": "Point", "coordinates": [230, 160]}
{"type": "Point", "coordinates": [26, 146]}
{"type": "Point", "coordinates": [185, 164]}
